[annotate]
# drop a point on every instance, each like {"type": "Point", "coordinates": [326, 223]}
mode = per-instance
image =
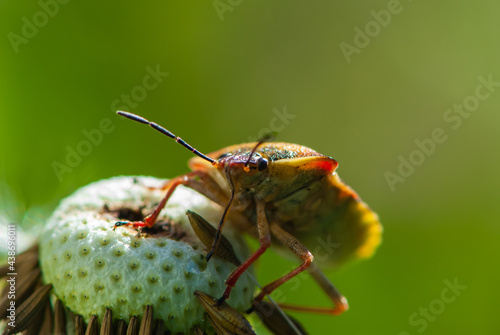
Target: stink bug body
{"type": "Point", "coordinates": [279, 192]}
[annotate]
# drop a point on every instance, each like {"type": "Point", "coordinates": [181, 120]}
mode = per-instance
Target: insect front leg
{"type": "Point", "coordinates": [202, 183]}
{"type": "Point", "coordinates": [207, 186]}
{"type": "Point", "coordinates": [265, 242]}
{"type": "Point", "coordinates": [170, 186]}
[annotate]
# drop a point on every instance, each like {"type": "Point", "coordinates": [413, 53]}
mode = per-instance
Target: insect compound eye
{"type": "Point", "coordinates": [262, 164]}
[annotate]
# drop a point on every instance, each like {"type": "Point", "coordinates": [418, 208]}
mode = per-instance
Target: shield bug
{"type": "Point", "coordinates": [279, 192]}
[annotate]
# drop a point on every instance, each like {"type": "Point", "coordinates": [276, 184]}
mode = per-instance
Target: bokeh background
{"type": "Point", "coordinates": [233, 67]}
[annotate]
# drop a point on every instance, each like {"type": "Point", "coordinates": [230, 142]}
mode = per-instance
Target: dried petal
{"type": "Point", "coordinates": [206, 233]}
{"type": "Point", "coordinates": [24, 284]}
{"type": "Point", "coordinates": [29, 310]}
{"type": "Point", "coordinates": [106, 325]}
{"type": "Point", "coordinates": [59, 318]}
{"type": "Point", "coordinates": [79, 325]}
{"type": "Point", "coordinates": [276, 322]}
{"type": "Point", "coordinates": [92, 327]}
{"type": "Point", "coordinates": [132, 326]}
{"type": "Point", "coordinates": [147, 321]}
{"type": "Point", "coordinates": [121, 327]}
{"type": "Point", "coordinates": [198, 331]}
{"type": "Point", "coordinates": [224, 318]}
{"type": "Point", "coordinates": [35, 325]}
{"type": "Point", "coordinates": [159, 327]}
{"type": "Point", "coordinates": [47, 324]}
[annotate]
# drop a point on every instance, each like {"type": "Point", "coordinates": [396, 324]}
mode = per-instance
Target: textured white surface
{"type": "Point", "coordinates": [93, 267]}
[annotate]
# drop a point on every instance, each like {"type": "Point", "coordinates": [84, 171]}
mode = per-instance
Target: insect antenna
{"type": "Point", "coordinates": [164, 131]}
{"type": "Point", "coordinates": [265, 138]}
{"type": "Point", "coordinates": [223, 218]}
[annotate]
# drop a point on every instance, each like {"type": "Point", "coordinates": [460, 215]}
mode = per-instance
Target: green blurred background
{"type": "Point", "coordinates": [230, 71]}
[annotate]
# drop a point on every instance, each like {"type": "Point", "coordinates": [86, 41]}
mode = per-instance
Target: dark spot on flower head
{"type": "Point", "coordinates": [125, 213]}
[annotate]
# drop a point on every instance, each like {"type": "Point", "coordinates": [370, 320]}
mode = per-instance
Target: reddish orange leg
{"type": "Point", "coordinates": [208, 186]}
{"type": "Point", "coordinates": [326, 285]}
{"type": "Point", "coordinates": [150, 220]}
{"type": "Point", "coordinates": [202, 183]}
{"type": "Point", "coordinates": [339, 301]}
{"type": "Point", "coordinates": [265, 242]}
{"type": "Point", "coordinates": [298, 249]}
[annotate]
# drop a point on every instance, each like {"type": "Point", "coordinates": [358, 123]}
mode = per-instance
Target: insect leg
{"type": "Point", "coordinates": [298, 249]}
{"type": "Point", "coordinates": [326, 285]}
{"type": "Point", "coordinates": [170, 186]}
{"type": "Point", "coordinates": [209, 188]}
{"type": "Point", "coordinates": [203, 183]}
{"type": "Point", "coordinates": [265, 242]}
